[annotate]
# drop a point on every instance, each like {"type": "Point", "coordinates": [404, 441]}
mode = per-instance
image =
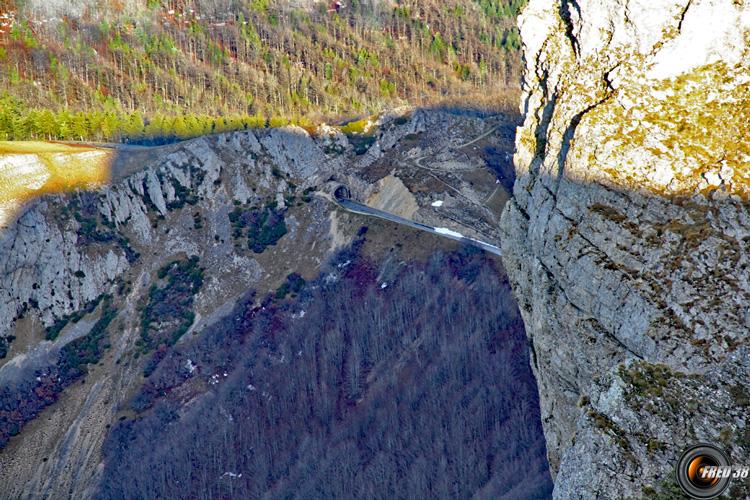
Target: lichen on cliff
{"type": "Point", "coordinates": [681, 136]}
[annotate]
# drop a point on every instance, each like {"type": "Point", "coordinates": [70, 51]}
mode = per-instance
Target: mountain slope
{"type": "Point", "coordinates": [176, 301]}
{"type": "Point", "coordinates": [114, 70]}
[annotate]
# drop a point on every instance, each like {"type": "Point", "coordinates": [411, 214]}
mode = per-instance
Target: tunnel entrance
{"type": "Point", "coordinates": [342, 193]}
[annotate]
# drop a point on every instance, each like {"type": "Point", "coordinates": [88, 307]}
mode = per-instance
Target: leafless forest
{"type": "Point", "coordinates": [418, 389]}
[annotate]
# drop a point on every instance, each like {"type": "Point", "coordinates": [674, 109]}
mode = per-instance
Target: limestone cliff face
{"type": "Point", "coordinates": [627, 238]}
{"type": "Point", "coordinates": [45, 259]}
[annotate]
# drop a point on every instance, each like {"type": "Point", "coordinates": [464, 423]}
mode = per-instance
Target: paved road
{"type": "Point", "coordinates": [358, 208]}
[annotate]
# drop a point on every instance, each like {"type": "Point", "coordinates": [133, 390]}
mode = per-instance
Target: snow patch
{"type": "Point", "coordinates": [448, 232]}
{"type": "Point", "coordinates": [330, 278]}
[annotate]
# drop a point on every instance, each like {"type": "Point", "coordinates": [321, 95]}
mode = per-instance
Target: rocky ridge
{"type": "Point", "coordinates": [47, 263]}
{"type": "Point", "coordinates": [52, 258]}
{"type": "Point", "coordinates": [627, 238]}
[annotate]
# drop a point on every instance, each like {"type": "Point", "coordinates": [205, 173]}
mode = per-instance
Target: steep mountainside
{"type": "Point", "coordinates": [211, 321]}
{"type": "Point", "coordinates": [627, 240]}
{"type": "Point", "coordinates": [110, 70]}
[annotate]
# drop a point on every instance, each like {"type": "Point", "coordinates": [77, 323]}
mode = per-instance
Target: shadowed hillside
{"type": "Point", "coordinates": [347, 386]}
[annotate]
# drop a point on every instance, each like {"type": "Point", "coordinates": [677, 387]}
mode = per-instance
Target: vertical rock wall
{"type": "Point", "coordinates": [627, 240]}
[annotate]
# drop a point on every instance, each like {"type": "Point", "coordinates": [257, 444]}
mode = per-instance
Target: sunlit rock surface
{"type": "Point", "coordinates": [31, 169]}
{"type": "Point", "coordinates": [627, 239]}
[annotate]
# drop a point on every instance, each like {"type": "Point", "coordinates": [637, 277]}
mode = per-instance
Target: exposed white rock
{"type": "Point", "coordinates": [391, 195]}
{"type": "Point", "coordinates": [28, 169]}
{"type": "Point", "coordinates": [155, 192]}
{"type": "Point", "coordinates": [292, 149]}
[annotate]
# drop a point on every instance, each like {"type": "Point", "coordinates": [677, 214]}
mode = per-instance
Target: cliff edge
{"type": "Point", "coordinates": [627, 237]}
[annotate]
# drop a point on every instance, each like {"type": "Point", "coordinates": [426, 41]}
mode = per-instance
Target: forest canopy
{"type": "Point", "coordinates": [180, 68]}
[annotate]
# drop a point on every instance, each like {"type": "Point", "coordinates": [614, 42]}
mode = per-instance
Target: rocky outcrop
{"type": "Point", "coordinates": [627, 238]}
{"type": "Point", "coordinates": [62, 252]}
{"type": "Point", "coordinates": [393, 196]}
